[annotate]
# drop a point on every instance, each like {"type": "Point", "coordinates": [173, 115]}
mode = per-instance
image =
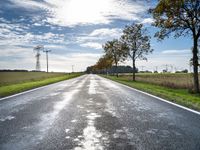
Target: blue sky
{"type": "Point", "coordinates": [75, 30]}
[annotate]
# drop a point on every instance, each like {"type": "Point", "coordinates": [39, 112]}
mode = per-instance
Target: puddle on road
{"type": "Point", "coordinates": [73, 121]}
{"type": "Point", "coordinates": [152, 131]}
{"type": "Point", "coordinates": [80, 107]}
{"type": "Point", "coordinates": [110, 109]}
{"type": "Point", "coordinates": [7, 118]}
{"type": "Point", "coordinates": [90, 100]}
{"type": "Point", "coordinates": [54, 94]}
{"type": "Point", "coordinates": [109, 84]}
{"type": "Point", "coordinates": [67, 137]}
{"type": "Point", "coordinates": [67, 130]}
{"type": "Point", "coordinates": [61, 104]}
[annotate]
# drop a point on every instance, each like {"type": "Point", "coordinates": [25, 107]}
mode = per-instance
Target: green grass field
{"type": "Point", "coordinates": [177, 95]}
{"type": "Point", "coordinates": [15, 82]}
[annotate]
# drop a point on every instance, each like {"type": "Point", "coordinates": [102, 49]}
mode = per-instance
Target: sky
{"type": "Point", "coordinates": [74, 31]}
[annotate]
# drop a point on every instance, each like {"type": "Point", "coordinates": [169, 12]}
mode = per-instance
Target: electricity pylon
{"type": "Point", "coordinates": [37, 49]}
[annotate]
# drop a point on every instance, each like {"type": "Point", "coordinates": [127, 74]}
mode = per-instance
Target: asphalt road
{"type": "Point", "coordinates": [93, 113]}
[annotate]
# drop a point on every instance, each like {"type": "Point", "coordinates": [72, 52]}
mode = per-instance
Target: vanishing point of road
{"type": "Point", "coordinates": [93, 113]}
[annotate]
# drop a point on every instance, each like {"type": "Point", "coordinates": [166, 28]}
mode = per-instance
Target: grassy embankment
{"type": "Point", "coordinates": [172, 87]}
{"type": "Point", "coordinates": [15, 82]}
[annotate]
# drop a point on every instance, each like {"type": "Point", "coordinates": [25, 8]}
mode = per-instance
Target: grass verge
{"type": "Point", "coordinates": [21, 87]}
{"type": "Point", "coordinates": [179, 96]}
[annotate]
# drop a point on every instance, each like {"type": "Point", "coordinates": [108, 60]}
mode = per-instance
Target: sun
{"type": "Point", "coordinates": [84, 11]}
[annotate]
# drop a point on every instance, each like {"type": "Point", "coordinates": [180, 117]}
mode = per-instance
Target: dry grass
{"type": "Point", "coordinates": [171, 80]}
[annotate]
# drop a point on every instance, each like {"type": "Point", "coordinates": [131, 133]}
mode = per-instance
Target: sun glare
{"type": "Point", "coordinates": [84, 11]}
{"type": "Point", "coordinates": [79, 12]}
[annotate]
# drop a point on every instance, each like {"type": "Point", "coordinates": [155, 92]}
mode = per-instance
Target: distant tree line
{"type": "Point", "coordinates": [112, 70]}
{"type": "Point", "coordinates": [18, 70]}
{"type": "Point", "coordinates": [15, 70]}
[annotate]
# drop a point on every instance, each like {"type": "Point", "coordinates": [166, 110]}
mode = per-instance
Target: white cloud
{"type": "Point", "coordinates": [92, 39]}
{"type": "Point", "coordinates": [92, 45]}
{"type": "Point", "coordinates": [28, 4]}
{"type": "Point", "coordinates": [107, 32]}
{"type": "Point", "coordinates": [82, 12]}
{"type": "Point", "coordinates": [147, 21]}
{"type": "Point", "coordinates": [55, 46]}
{"type": "Point", "coordinates": [85, 38]}
{"type": "Point", "coordinates": [37, 24]}
{"type": "Point", "coordinates": [15, 51]}
{"type": "Point", "coordinates": [176, 52]}
{"type": "Point", "coordinates": [12, 34]}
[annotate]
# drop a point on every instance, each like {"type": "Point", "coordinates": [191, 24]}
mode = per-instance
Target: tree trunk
{"type": "Point", "coordinates": [133, 69]}
{"type": "Point", "coordinates": [116, 70]}
{"type": "Point", "coordinates": [195, 65]}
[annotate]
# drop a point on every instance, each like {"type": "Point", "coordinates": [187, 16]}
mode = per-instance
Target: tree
{"type": "Point", "coordinates": [181, 17]}
{"type": "Point", "coordinates": [116, 50]}
{"type": "Point", "coordinates": [104, 63]}
{"type": "Point", "coordinates": [138, 43]}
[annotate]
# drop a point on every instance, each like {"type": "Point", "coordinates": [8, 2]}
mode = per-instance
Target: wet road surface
{"type": "Point", "coordinates": [93, 113]}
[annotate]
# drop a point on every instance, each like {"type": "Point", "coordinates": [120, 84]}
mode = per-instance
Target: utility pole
{"type": "Point", "coordinates": [166, 66]}
{"type": "Point", "coordinates": [72, 68]}
{"type": "Point", "coordinates": [142, 68]}
{"type": "Point", "coordinates": [172, 68]}
{"type": "Point", "coordinates": [47, 59]}
{"type": "Point", "coordinates": [156, 68]}
{"type": "Point", "coordinates": [175, 69]}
